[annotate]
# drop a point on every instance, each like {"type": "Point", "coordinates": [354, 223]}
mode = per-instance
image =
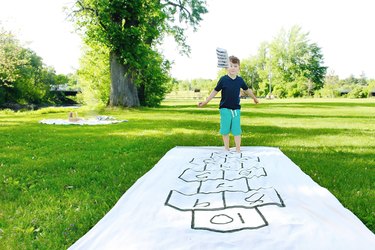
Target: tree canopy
{"type": "Point", "coordinates": [288, 66]}
{"type": "Point", "coordinates": [131, 30]}
{"type": "Point", "coordinates": [24, 79]}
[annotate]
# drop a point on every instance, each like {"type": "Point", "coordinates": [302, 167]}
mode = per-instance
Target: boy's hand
{"type": "Point", "coordinates": [201, 104]}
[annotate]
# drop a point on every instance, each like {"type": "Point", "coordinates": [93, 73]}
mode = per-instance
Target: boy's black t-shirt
{"type": "Point", "coordinates": [230, 95]}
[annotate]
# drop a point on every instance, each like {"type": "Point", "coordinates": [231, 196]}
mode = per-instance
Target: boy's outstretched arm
{"type": "Point", "coordinates": [209, 98]}
{"type": "Point", "coordinates": [251, 94]}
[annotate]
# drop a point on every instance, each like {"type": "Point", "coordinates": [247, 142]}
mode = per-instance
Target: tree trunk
{"type": "Point", "coordinates": [123, 90]}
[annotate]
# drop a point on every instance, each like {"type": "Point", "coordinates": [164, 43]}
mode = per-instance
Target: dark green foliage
{"type": "Point", "coordinates": [24, 79]}
{"type": "Point", "coordinates": [150, 90]}
{"type": "Point", "coordinates": [351, 87]}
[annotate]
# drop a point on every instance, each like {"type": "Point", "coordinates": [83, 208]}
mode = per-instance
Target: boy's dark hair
{"type": "Point", "coordinates": [234, 59]}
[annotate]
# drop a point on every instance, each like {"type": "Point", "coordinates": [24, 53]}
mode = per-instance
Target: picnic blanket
{"type": "Point", "coordinates": [207, 198]}
{"type": "Point", "coordinates": [98, 120]}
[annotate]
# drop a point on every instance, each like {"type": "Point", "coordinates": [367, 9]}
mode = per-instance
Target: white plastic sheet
{"type": "Point", "coordinates": [206, 198]}
{"type": "Point", "coordinates": [98, 120]}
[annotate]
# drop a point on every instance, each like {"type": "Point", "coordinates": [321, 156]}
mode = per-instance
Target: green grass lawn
{"type": "Point", "coordinates": [56, 182]}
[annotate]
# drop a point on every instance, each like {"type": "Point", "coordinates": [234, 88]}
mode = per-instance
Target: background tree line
{"type": "Point", "coordinates": [122, 66]}
{"type": "Point", "coordinates": [351, 87]}
{"type": "Point", "coordinates": [24, 79]}
{"type": "Point", "coordinates": [290, 66]}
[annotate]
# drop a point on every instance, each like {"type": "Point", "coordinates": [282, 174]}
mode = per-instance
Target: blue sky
{"type": "Point", "coordinates": [343, 29]}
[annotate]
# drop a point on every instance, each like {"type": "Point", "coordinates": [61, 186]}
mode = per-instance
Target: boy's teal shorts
{"type": "Point", "coordinates": [230, 121]}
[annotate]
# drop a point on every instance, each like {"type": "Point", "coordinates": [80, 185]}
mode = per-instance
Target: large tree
{"type": "Point", "coordinates": [289, 66]}
{"type": "Point", "coordinates": [24, 79]}
{"type": "Point", "coordinates": [296, 62]}
{"type": "Point", "coordinates": [10, 59]}
{"type": "Point", "coordinates": [131, 29]}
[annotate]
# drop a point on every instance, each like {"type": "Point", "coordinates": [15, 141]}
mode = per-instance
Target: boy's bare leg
{"type": "Point", "coordinates": [237, 141]}
{"type": "Point", "coordinates": [226, 142]}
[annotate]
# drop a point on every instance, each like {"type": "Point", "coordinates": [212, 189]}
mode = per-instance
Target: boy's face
{"type": "Point", "coordinates": [233, 69]}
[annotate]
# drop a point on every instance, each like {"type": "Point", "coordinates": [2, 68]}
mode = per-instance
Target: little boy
{"type": "Point", "coordinates": [230, 85]}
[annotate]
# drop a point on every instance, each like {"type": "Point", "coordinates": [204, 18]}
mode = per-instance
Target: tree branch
{"type": "Point", "coordinates": [93, 11]}
{"type": "Point", "coordinates": [178, 5]}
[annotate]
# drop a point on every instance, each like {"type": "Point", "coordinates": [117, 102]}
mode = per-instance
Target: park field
{"type": "Point", "coordinates": [56, 182]}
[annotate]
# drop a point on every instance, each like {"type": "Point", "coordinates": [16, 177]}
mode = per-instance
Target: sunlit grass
{"type": "Point", "coordinates": [56, 182]}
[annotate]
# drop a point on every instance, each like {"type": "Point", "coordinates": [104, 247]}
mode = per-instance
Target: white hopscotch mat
{"type": "Point", "coordinates": [206, 198]}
